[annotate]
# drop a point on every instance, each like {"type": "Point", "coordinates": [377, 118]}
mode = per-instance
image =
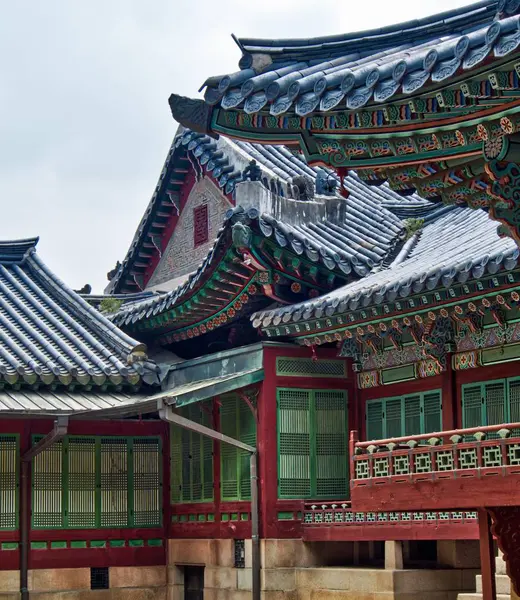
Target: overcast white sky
{"type": "Point", "coordinates": [84, 120]}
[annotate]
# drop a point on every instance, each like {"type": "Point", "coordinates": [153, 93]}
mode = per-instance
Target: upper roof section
{"type": "Point", "coordinates": [226, 163]}
{"type": "Point", "coordinates": [308, 76]}
{"type": "Point", "coordinates": [459, 19]}
{"type": "Point", "coordinates": [50, 336]}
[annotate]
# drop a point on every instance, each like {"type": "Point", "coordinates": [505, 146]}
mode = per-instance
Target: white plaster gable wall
{"type": "Point", "coordinates": [181, 256]}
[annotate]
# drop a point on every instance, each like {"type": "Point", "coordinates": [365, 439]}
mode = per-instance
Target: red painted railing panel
{"type": "Point", "coordinates": [337, 521]}
{"type": "Point", "coordinates": [466, 468]}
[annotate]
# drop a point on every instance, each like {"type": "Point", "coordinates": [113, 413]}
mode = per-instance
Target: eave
{"type": "Point", "coordinates": [247, 268]}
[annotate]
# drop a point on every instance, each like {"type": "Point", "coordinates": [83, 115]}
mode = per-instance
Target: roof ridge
{"type": "Point", "coordinates": [16, 251]}
{"type": "Point", "coordinates": [447, 20]}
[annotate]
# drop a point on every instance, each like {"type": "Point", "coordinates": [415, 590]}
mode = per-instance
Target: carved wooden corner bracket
{"type": "Point", "coordinates": [503, 157]}
{"type": "Point", "coordinates": [506, 530]}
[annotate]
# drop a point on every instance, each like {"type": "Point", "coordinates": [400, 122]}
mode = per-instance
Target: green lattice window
{"type": "Point", "coordinates": [8, 481]}
{"type": "Point", "coordinates": [192, 458]}
{"type": "Point", "coordinates": [237, 421]}
{"type": "Point", "coordinates": [404, 415]}
{"type": "Point", "coordinates": [312, 443]}
{"type": "Point", "coordinates": [91, 482]}
{"type": "Point", "coordinates": [491, 403]}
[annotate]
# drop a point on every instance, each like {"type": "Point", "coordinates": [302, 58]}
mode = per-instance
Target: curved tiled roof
{"type": "Point", "coordinates": [225, 160]}
{"type": "Point", "coordinates": [457, 245]}
{"type": "Point", "coordinates": [311, 75]}
{"type": "Point", "coordinates": [50, 335]}
{"type": "Point", "coordinates": [354, 247]}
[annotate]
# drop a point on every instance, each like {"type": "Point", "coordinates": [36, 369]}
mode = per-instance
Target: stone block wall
{"type": "Point", "coordinates": [126, 583]}
{"type": "Point", "coordinates": [292, 570]}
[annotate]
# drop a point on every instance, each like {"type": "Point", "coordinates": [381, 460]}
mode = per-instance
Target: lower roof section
{"type": "Point", "coordinates": [198, 379]}
{"type": "Point", "coordinates": [198, 391]}
{"type": "Point", "coordinates": [42, 403]}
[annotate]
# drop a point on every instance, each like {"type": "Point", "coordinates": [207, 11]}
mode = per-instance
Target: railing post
{"type": "Point", "coordinates": [352, 452]}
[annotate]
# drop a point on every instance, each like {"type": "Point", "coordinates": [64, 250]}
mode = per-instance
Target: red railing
{"type": "Point", "coordinates": [341, 514]}
{"type": "Point", "coordinates": [459, 456]}
{"type": "Point", "coordinates": [338, 521]}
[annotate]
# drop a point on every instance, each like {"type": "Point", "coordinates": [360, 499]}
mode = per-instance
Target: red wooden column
{"type": "Point", "coordinates": [487, 556]}
{"type": "Point", "coordinates": [267, 447]}
{"type": "Point", "coordinates": [449, 398]}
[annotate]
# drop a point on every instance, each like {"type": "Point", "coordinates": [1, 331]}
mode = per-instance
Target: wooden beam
{"type": "Point", "coordinates": [487, 556]}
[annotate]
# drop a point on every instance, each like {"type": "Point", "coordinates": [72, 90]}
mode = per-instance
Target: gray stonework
{"type": "Point", "coordinates": [181, 256]}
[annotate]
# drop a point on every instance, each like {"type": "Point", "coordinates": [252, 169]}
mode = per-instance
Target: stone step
{"type": "Point", "coordinates": [476, 596]}
{"type": "Point", "coordinates": [503, 584]}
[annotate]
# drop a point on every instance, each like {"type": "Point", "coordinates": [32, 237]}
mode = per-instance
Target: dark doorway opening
{"type": "Point", "coordinates": [193, 583]}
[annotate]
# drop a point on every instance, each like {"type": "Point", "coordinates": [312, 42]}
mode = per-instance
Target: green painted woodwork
{"type": "Point", "coordinates": [285, 516]}
{"type": "Point", "coordinates": [154, 543]}
{"type": "Point", "coordinates": [117, 543]}
{"type": "Point", "coordinates": [87, 482]}
{"type": "Point", "coordinates": [312, 443]}
{"type": "Point", "coordinates": [38, 545]}
{"type": "Point", "coordinates": [9, 546]}
{"type": "Point", "coordinates": [287, 366]}
{"type": "Point", "coordinates": [491, 403]}
{"type": "Point", "coordinates": [237, 421]}
{"type": "Point", "coordinates": [9, 489]}
{"type": "Point", "coordinates": [192, 458]}
{"type": "Point", "coordinates": [398, 374]}
{"type": "Point", "coordinates": [493, 356]}
{"type": "Point", "coordinates": [404, 415]}
{"type": "Point", "coordinates": [419, 304]}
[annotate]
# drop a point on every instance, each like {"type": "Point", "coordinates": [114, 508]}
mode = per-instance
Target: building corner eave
{"type": "Point", "coordinates": [193, 114]}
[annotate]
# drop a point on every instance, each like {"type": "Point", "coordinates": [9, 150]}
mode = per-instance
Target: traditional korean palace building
{"type": "Point", "coordinates": [316, 279]}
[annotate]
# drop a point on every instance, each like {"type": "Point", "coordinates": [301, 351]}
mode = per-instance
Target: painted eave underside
{"type": "Point", "coordinates": [371, 231]}
{"type": "Point", "coordinates": [306, 76]}
{"type": "Point", "coordinates": [51, 338]}
{"type": "Point", "coordinates": [455, 245]}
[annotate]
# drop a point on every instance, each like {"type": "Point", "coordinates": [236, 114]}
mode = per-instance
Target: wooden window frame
{"type": "Point", "coordinates": [402, 399]}
{"type": "Point", "coordinates": [132, 473]}
{"type": "Point", "coordinates": [8, 437]}
{"type": "Point", "coordinates": [313, 478]}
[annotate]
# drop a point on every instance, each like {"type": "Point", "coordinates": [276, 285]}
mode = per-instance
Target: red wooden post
{"type": "Point", "coordinates": [487, 556]}
{"type": "Point", "coordinates": [449, 398]}
{"type": "Point", "coordinates": [268, 447]}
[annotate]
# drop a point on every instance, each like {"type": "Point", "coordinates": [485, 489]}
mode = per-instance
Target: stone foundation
{"type": "Point", "coordinates": [294, 570]}
{"type": "Point", "coordinates": [126, 583]}
{"type": "Point", "coordinates": [291, 570]}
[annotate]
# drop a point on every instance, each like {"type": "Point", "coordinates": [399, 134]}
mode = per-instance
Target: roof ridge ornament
{"type": "Point", "coordinates": [194, 114]}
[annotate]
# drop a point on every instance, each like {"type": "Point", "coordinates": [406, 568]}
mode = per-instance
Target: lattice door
{"type": "Point", "coordinates": [294, 443]}
{"type": "Point", "coordinates": [8, 482]}
{"type": "Point", "coordinates": [47, 505]}
{"type": "Point", "coordinates": [331, 443]}
{"type": "Point", "coordinates": [147, 489]}
{"type": "Point", "coordinates": [114, 482]}
{"type": "Point", "coordinates": [81, 494]}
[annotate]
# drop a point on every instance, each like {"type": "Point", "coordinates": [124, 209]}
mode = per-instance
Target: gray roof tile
{"type": "Point", "coordinates": [304, 76]}
{"type": "Point", "coordinates": [50, 335]}
{"type": "Point", "coordinates": [455, 244]}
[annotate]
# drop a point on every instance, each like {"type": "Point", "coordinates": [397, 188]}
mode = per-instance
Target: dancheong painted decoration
{"type": "Point", "coordinates": [429, 105]}
{"type": "Point", "coordinates": [311, 280]}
